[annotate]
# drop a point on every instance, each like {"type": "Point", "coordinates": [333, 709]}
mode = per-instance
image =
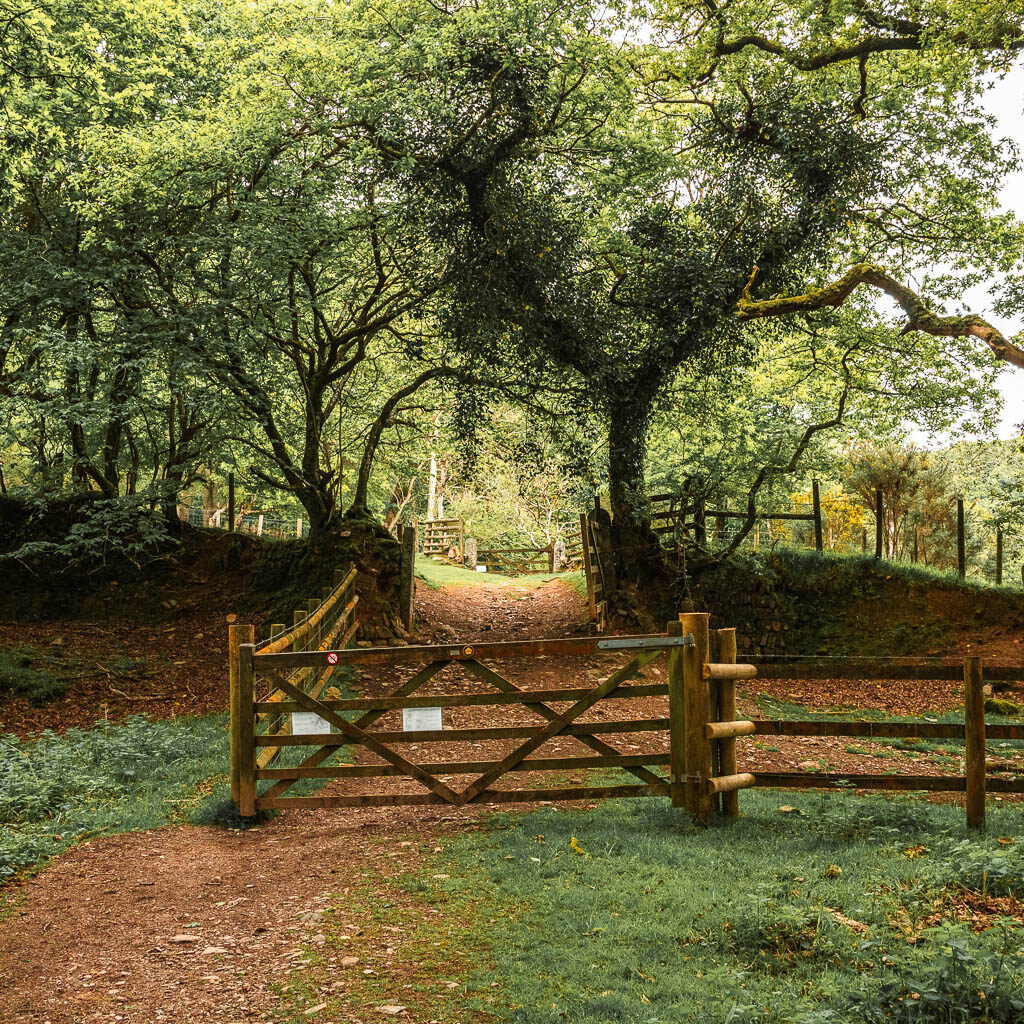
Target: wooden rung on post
{"type": "Point", "coordinates": [730, 783]}
{"type": "Point", "coordinates": [718, 670]}
{"type": "Point", "coordinates": [730, 730]}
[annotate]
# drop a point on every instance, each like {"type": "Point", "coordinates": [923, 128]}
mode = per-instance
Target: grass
{"type": "Point", "coordinates": [437, 574]}
{"type": "Point", "coordinates": [808, 910]}
{"type": "Point", "coordinates": [25, 672]}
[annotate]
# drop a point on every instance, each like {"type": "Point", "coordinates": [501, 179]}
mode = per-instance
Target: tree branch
{"type": "Point", "coordinates": [921, 318]}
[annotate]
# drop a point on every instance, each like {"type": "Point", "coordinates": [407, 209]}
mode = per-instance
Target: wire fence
{"type": "Point", "coordinates": [256, 524]}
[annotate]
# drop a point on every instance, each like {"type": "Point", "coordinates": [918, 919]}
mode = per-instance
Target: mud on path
{"type": "Point", "coordinates": [186, 924]}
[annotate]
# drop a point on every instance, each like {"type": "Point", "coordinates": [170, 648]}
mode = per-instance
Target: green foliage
{"type": "Point", "coordinates": [59, 790]}
{"type": "Point", "coordinates": [110, 530]}
{"type": "Point", "coordinates": [19, 676]}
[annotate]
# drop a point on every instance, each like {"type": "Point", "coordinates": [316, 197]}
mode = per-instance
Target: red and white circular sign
{"type": "Point", "coordinates": [332, 658]}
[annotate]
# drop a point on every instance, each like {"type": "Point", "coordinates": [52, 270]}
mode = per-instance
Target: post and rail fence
{"type": "Point", "coordinates": [700, 724]}
{"type": "Point", "coordinates": [325, 623]}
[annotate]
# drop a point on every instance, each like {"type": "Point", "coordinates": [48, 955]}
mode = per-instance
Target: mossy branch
{"type": "Point", "coordinates": [921, 318]}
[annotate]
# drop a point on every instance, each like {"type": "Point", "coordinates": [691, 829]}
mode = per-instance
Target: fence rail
{"type": "Point", "coordinates": [328, 622]}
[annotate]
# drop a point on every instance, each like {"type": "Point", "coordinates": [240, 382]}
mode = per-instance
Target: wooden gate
{"type": "Point", "coordinates": [560, 712]}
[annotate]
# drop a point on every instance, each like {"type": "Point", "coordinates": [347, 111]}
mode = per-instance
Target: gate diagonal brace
{"type": "Point", "coordinates": [357, 735]}
{"type": "Point", "coordinates": [556, 726]}
{"type": "Point", "coordinates": [488, 675]}
{"type": "Point", "coordinates": [412, 684]}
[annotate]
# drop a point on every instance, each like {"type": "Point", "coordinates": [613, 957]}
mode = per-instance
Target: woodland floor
{"type": "Point", "coordinates": [184, 924]}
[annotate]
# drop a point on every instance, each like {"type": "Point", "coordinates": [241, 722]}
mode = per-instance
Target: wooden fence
{"type": "Point", "coordinates": [441, 535]}
{"type": "Point", "coordinates": [518, 561]}
{"type": "Point", "coordinates": [720, 728]}
{"type": "Point", "coordinates": [702, 727]}
{"type": "Point", "coordinates": [671, 514]}
{"type": "Point", "coordinates": [325, 623]}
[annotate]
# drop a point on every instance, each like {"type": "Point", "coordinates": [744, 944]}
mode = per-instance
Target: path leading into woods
{"type": "Point", "coordinates": [185, 924]}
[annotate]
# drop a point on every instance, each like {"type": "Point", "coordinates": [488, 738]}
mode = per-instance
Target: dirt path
{"type": "Point", "coordinates": [195, 925]}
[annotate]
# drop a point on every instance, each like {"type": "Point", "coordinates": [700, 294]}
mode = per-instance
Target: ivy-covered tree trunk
{"type": "Point", "coordinates": [627, 449]}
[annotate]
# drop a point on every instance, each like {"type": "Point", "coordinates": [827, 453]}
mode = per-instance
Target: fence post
{"type": "Point", "coordinates": [698, 715]}
{"type": "Point", "coordinates": [727, 709]}
{"type": "Point", "coordinates": [237, 634]}
{"type": "Point", "coordinates": [677, 718]}
{"type": "Point", "coordinates": [246, 731]}
{"type": "Point", "coordinates": [878, 522]}
{"type": "Point", "coordinates": [999, 556]}
{"type": "Point", "coordinates": [259, 526]}
{"type": "Point", "coordinates": [816, 501]}
{"type": "Point", "coordinates": [231, 502]}
{"type": "Point", "coordinates": [974, 737]}
{"type": "Point", "coordinates": [588, 568]}
{"type": "Point", "coordinates": [700, 531]}
{"type": "Point", "coordinates": [298, 527]}
{"type": "Point", "coordinates": [406, 585]}
{"type": "Point", "coordinates": [961, 547]}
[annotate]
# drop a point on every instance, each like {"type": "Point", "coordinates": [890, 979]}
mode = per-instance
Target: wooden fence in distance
{"type": "Point", "coordinates": [670, 514]}
{"type": "Point", "coordinates": [325, 623]}
{"type": "Point", "coordinates": [440, 536]}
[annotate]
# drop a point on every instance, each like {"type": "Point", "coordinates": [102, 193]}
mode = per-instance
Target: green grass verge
{"type": "Point", "coordinates": [26, 672]}
{"type": "Point", "coordinates": [811, 909]}
{"type": "Point", "coordinates": [56, 791]}
{"type": "Point", "coordinates": [441, 574]}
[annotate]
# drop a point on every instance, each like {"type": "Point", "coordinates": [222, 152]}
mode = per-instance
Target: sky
{"type": "Point", "coordinates": [1005, 101]}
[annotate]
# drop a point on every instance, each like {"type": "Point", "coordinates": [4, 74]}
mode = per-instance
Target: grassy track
{"type": "Point", "coordinates": [437, 574]}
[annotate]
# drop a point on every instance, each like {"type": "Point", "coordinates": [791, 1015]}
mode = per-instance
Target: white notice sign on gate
{"type": "Point", "coordinates": [421, 719]}
{"type": "Point", "coordinates": [308, 723]}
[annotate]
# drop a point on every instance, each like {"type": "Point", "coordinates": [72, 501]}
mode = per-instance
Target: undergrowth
{"type": "Point", "coordinates": [24, 672]}
{"type": "Point", "coordinates": [59, 790]}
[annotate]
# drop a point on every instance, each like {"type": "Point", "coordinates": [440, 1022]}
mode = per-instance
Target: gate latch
{"type": "Point", "coordinates": [646, 642]}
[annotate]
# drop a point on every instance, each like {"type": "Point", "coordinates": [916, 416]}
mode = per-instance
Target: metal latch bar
{"type": "Point", "coordinates": [646, 642]}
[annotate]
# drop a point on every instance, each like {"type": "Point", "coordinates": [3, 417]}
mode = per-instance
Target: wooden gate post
{"type": "Point", "coordinates": [698, 715]}
{"type": "Point", "coordinates": [407, 584]}
{"type": "Point", "coordinates": [246, 731]}
{"type": "Point", "coordinates": [677, 718]}
{"type": "Point", "coordinates": [974, 737]}
{"type": "Point", "coordinates": [878, 522]}
{"type": "Point", "coordinates": [727, 713]}
{"type": "Point", "coordinates": [961, 548]}
{"type": "Point", "coordinates": [237, 634]}
{"type": "Point", "coordinates": [816, 503]}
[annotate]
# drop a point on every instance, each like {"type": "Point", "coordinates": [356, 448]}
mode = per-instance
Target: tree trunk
{"type": "Point", "coordinates": [635, 547]}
